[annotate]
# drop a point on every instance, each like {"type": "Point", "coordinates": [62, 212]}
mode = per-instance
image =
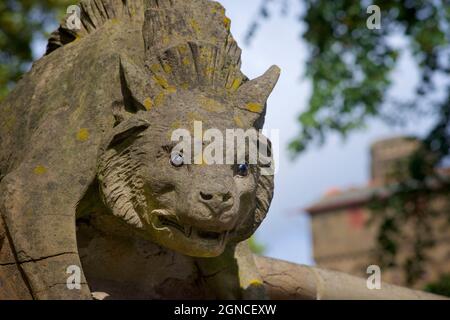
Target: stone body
{"type": "Point", "coordinates": [85, 173]}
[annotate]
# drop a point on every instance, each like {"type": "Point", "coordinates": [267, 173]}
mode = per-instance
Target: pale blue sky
{"type": "Point", "coordinates": [286, 231]}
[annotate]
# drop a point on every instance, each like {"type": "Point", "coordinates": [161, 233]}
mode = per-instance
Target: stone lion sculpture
{"type": "Point", "coordinates": [95, 199]}
{"type": "Point", "coordinates": [86, 176]}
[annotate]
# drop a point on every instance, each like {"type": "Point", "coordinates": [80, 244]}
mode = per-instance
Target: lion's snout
{"type": "Point", "coordinates": [218, 202]}
{"type": "Point", "coordinates": [212, 210]}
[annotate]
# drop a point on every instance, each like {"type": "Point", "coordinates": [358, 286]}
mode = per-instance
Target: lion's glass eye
{"type": "Point", "coordinates": [176, 159]}
{"type": "Point", "coordinates": [242, 170]}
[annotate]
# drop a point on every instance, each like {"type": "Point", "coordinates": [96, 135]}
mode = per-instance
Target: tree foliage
{"type": "Point", "coordinates": [441, 286]}
{"type": "Point", "coordinates": [255, 246]}
{"type": "Point", "coordinates": [21, 23]}
{"type": "Point", "coordinates": [350, 65]}
{"type": "Point", "coordinates": [411, 218]}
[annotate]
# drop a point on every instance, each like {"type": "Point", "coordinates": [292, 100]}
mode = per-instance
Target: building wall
{"type": "Point", "coordinates": [344, 241]}
{"type": "Point", "coordinates": [341, 233]}
{"type": "Point", "coordinates": [390, 159]}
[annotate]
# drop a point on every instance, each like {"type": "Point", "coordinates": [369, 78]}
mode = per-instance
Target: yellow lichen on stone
{"type": "Point", "coordinates": [83, 135]}
{"type": "Point", "coordinates": [194, 116]}
{"type": "Point", "coordinates": [174, 126]}
{"type": "Point", "coordinates": [165, 39]}
{"type": "Point", "coordinates": [167, 68]}
{"type": "Point", "coordinates": [155, 68]}
{"type": "Point", "coordinates": [195, 26]}
{"type": "Point", "coordinates": [186, 61]}
{"type": "Point", "coordinates": [255, 282]}
{"type": "Point", "coordinates": [40, 170]}
{"type": "Point", "coordinates": [211, 105]}
{"type": "Point", "coordinates": [206, 55]}
{"type": "Point", "coordinates": [238, 122]}
{"type": "Point", "coordinates": [236, 84]}
{"type": "Point", "coordinates": [218, 9]}
{"type": "Point", "coordinates": [214, 39]}
{"type": "Point", "coordinates": [161, 81]}
{"type": "Point", "coordinates": [159, 99]}
{"type": "Point", "coordinates": [185, 85]}
{"type": "Point", "coordinates": [114, 21]}
{"type": "Point", "coordinates": [183, 49]}
{"type": "Point", "coordinates": [209, 71]}
{"type": "Point", "coordinates": [255, 107]}
{"type": "Point", "coordinates": [148, 104]}
{"type": "Point", "coordinates": [10, 122]}
{"type": "Point", "coordinates": [227, 23]}
{"type": "Point", "coordinates": [171, 89]}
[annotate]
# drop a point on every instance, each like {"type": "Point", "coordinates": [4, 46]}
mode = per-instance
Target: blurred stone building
{"type": "Point", "coordinates": [344, 241]}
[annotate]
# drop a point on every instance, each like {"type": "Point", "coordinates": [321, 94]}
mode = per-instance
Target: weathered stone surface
{"type": "Point", "coordinates": [85, 176]}
{"type": "Point", "coordinates": [285, 281]}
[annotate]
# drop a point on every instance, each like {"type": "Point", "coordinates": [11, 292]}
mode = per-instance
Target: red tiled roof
{"type": "Point", "coordinates": [346, 199]}
{"type": "Point", "coordinates": [361, 196]}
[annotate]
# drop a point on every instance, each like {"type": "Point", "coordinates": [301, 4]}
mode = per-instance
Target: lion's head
{"type": "Point", "coordinates": [187, 205]}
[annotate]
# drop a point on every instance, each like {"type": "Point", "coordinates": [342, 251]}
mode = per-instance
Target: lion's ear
{"type": "Point", "coordinates": [125, 130]}
{"type": "Point", "coordinates": [253, 95]}
{"type": "Point", "coordinates": [135, 85]}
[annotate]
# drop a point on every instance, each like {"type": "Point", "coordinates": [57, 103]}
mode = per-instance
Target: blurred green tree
{"type": "Point", "coordinates": [349, 65]}
{"type": "Point", "coordinates": [22, 22]}
{"type": "Point", "coordinates": [255, 246]}
{"type": "Point", "coordinates": [441, 286]}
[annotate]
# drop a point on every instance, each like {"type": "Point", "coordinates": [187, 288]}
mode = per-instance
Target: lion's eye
{"type": "Point", "coordinates": [176, 159]}
{"type": "Point", "coordinates": [242, 170]}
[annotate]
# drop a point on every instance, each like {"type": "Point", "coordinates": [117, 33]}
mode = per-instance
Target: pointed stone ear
{"type": "Point", "coordinates": [253, 95]}
{"type": "Point", "coordinates": [127, 129]}
{"type": "Point", "coordinates": [144, 87]}
{"type": "Point", "coordinates": [135, 88]}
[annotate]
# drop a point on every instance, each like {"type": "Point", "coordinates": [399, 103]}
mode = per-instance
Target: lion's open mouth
{"type": "Point", "coordinates": [192, 232]}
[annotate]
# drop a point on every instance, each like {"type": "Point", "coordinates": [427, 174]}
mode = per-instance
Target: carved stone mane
{"type": "Point", "coordinates": [190, 38]}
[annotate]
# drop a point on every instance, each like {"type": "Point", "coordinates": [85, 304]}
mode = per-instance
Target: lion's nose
{"type": "Point", "coordinates": [218, 202]}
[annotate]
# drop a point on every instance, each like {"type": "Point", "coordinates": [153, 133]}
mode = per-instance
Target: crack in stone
{"type": "Point", "coordinates": [212, 275]}
{"type": "Point", "coordinates": [49, 287]}
{"type": "Point", "coordinates": [46, 257]}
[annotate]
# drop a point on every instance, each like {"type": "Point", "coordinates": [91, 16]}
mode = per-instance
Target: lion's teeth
{"type": "Point", "coordinates": [188, 231]}
{"type": "Point", "coordinates": [224, 237]}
